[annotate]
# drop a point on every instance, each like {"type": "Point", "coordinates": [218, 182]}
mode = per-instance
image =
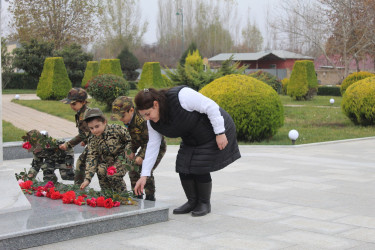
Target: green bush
{"type": "Point", "coordinates": [18, 81]}
{"type": "Point", "coordinates": [133, 85]}
{"type": "Point", "coordinates": [303, 83]}
{"type": "Point", "coordinates": [91, 71]}
{"type": "Point", "coordinates": [151, 76]}
{"type": "Point", "coordinates": [75, 60]}
{"type": "Point", "coordinates": [54, 83]}
{"type": "Point", "coordinates": [255, 107]}
{"type": "Point", "coordinates": [268, 79]}
{"type": "Point", "coordinates": [129, 63]}
{"type": "Point", "coordinates": [110, 66]}
{"type": "Point", "coordinates": [352, 78]}
{"type": "Point", "coordinates": [329, 91]}
{"type": "Point", "coordinates": [167, 81]}
{"type": "Point", "coordinates": [359, 101]}
{"type": "Point", "coordinates": [284, 84]}
{"type": "Point", "coordinates": [106, 88]}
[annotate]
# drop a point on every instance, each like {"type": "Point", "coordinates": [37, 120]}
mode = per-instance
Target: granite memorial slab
{"type": "Point", "coordinates": [52, 221]}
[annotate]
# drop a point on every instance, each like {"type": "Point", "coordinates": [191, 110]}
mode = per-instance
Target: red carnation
{"type": "Point", "coordinates": [56, 195]}
{"type": "Point", "coordinates": [69, 197]}
{"type": "Point", "coordinates": [111, 170]}
{"type": "Point", "coordinates": [26, 184]}
{"type": "Point", "coordinates": [116, 204]}
{"type": "Point", "coordinates": [79, 201]}
{"type": "Point", "coordinates": [108, 203]}
{"type": "Point", "coordinates": [100, 201]}
{"type": "Point", "coordinates": [26, 145]}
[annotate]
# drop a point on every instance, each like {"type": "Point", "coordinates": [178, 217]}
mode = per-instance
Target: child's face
{"type": "Point", "coordinates": [127, 116]}
{"type": "Point", "coordinates": [76, 106]}
{"type": "Point", "coordinates": [97, 127]}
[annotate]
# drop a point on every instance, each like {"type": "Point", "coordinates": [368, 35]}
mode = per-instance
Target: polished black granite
{"type": "Point", "coordinates": [51, 221]}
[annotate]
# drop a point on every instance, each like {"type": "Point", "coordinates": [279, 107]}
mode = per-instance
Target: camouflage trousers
{"type": "Point", "coordinates": [150, 183]}
{"type": "Point", "coordinates": [113, 182]}
{"type": "Point", "coordinates": [79, 175]}
{"type": "Point", "coordinates": [49, 167]}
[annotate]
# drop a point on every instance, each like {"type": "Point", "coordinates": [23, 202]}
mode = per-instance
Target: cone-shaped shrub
{"type": "Point", "coordinates": [110, 66]}
{"type": "Point", "coordinates": [255, 107]}
{"type": "Point", "coordinates": [352, 78]}
{"type": "Point", "coordinates": [92, 69]}
{"type": "Point", "coordinates": [151, 76]}
{"type": "Point", "coordinates": [54, 83]}
{"type": "Point", "coordinates": [303, 83]}
{"type": "Point", "coordinates": [359, 101]}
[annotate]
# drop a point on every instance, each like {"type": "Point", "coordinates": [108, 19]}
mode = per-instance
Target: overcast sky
{"type": "Point", "coordinates": [257, 11]}
{"type": "Point", "coordinates": [150, 12]}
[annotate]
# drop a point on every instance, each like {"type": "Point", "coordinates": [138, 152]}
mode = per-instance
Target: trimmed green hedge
{"type": "Point", "coordinates": [151, 76]}
{"type": "Point", "coordinates": [352, 78]}
{"type": "Point", "coordinates": [54, 83]}
{"type": "Point", "coordinates": [303, 83]}
{"type": "Point", "coordinates": [255, 107]}
{"type": "Point", "coordinates": [92, 69]}
{"type": "Point", "coordinates": [358, 102]}
{"type": "Point", "coordinates": [329, 91]}
{"type": "Point", "coordinates": [18, 81]}
{"type": "Point", "coordinates": [110, 66]}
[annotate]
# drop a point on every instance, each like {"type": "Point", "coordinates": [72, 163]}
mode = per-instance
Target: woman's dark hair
{"type": "Point", "coordinates": [99, 118]}
{"type": "Point", "coordinates": [145, 100]}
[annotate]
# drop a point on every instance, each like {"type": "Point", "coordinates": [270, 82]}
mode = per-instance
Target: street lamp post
{"type": "Point", "coordinates": [181, 12]}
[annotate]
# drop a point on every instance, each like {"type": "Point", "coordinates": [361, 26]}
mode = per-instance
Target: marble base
{"type": "Point", "coordinates": [52, 221]}
{"type": "Point", "coordinates": [11, 196]}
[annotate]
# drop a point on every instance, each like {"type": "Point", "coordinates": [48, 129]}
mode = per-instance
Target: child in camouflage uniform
{"type": "Point", "coordinates": [123, 110]}
{"type": "Point", "coordinates": [48, 157]}
{"type": "Point", "coordinates": [106, 156]}
{"type": "Point", "coordinates": [77, 99]}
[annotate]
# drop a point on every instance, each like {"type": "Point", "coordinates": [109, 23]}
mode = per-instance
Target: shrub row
{"type": "Point", "coordinates": [329, 91]}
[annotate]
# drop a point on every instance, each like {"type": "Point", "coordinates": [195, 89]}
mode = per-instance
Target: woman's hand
{"type": "Point", "coordinates": [84, 184]}
{"type": "Point", "coordinates": [138, 161]}
{"type": "Point", "coordinates": [138, 189]}
{"type": "Point", "coordinates": [221, 141]}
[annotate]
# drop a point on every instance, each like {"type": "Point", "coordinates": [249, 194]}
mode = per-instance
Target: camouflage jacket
{"type": "Point", "coordinates": [112, 143]}
{"type": "Point", "coordinates": [83, 129]}
{"type": "Point", "coordinates": [53, 156]}
{"type": "Point", "coordinates": [139, 134]}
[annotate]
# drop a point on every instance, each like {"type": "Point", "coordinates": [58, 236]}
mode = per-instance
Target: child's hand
{"type": "Point", "coordinates": [62, 147]}
{"type": "Point", "coordinates": [84, 184]}
{"type": "Point", "coordinates": [30, 175]}
{"type": "Point", "coordinates": [138, 161]}
{"type": "Point", "coordinates": [131, 156]}
{"type": "Point", "coordinates": [83, 144]}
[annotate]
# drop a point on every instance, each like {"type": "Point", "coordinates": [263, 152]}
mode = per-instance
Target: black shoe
{"type": "Point", "coordinates": [191, 195]}
{"type": "Point", "coordinates": [204, 195]}
{"type": "Point", "coordinates": [150, 197]}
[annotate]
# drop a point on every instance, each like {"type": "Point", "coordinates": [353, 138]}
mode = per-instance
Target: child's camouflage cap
{"type": "Point", "coordinates": [74, 95]}
{"type": "Point", "coordinates": [121, 105]}
{"type": "Point", "coordinates": [95, 112]}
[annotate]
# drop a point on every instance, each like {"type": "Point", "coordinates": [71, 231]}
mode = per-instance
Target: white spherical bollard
{"type": "Point", "coordinates": [17, 97]}
{"type": "Point", "coordinates": [331, 101]}
{"type": "Point", "coordinates": [293, 135]}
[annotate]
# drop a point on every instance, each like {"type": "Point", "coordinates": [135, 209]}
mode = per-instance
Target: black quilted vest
{"type": "Point", "coordinates": [193, 127]}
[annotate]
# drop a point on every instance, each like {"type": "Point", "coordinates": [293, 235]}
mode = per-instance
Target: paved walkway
{"type": "Point", "coordinates": [317, 196]}
{"type": "Point", "coordinates": [28, 118]}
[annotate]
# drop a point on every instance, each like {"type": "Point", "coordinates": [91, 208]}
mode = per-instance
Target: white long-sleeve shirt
{"type": "Point", "coordinates": [190, 100]}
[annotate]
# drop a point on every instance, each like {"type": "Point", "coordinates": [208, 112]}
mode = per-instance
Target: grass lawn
{"type": "Point", "coordinates": [19, 91]}
{"type": "Point", "coordinates": [11, 133]}
{"type": "Point", "coordinates": [316, 120]}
